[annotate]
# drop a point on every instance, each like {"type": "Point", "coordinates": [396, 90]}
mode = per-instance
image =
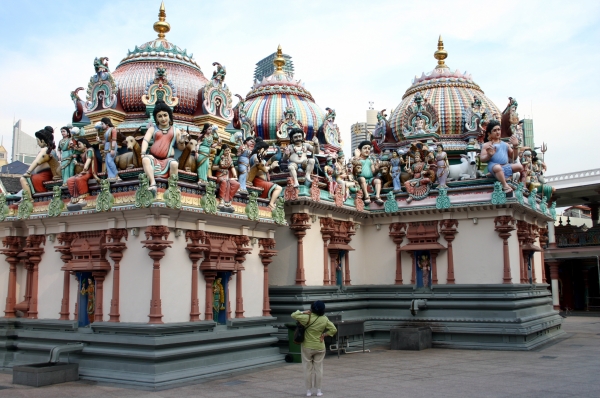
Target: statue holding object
{"type": "Point", "coordinates": [244, 151]}
{"type": "Point", "coordinates": [442, 166]}
{"type": "Point", "coordinates": [498, 154]}
{"type": "Point", "coordinates": [368, 172]}
{"type": "Point", "coordinates": [45, 166]}
{"type": "Point", "coordinates": [208, 137]}
{"type": "Point", "coordinates": [110, 147]}
{"type": "Point", "coordinates": [259, 173]}
{"type": "Point", "coordinates": [419, 184]}
{"type": "Point", "coordinates": [396, 170]}
{"type": "Point", "coordinates": [297, 153]}
{"type": "Point", "coordinates": [160, 161]}
{"type": "Point", "coordinates": [67, 154]}
{"type": "Point", "coordinates": [226, 178]}
{"type": "Point", "coordinates": [78, 184]}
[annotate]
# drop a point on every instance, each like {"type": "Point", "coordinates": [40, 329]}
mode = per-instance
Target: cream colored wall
{"type": "Point", "coordinates": [375, 257]}
{"type": "Point", "coordinates": [313, 255]}
{"type": "Point", "coordinates": [4, 273]}
{"type": "Point", "coordinates": [252, 287]}
{"type": "Point", "coordinates": [136, 282]}
{"type": "Point", "coordinates": [50, 283]}
{"type": "Point", "coordinates": [175, 280]}
{"type": "Point", "coordinates": [537, 258]}
{"type": "Point", "coordinates": [282, 271]}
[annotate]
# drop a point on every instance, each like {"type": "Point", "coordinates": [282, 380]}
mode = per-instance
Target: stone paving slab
{"type": "Point", "coordinates": [568, 368]}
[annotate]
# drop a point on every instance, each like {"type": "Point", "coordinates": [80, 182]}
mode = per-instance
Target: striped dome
{"type": "Point", "coordinates": [450, 93]}
{"type": "Point", "coordinates": [268, 99]}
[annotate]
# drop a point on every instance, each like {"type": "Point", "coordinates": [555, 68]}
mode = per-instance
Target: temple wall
{"type": "Point", "coordinates": [136, 281]}
{"type": "Point", "coordinates": [313, 255]}
{"type": "Point", "coordinates": [252, 287]}
{"type": "Point", "coordinates": [175, 281]}
{"type": "Point", "coordinates": [282, 270]}
{"type": "Point", "coordinates": [537, 258]}
{"type": "Point", "coordinates": [4, 272]}
{"type": "Point", "coordinates": [50, 282]}
{"type": "Point", "coordinates": [374, 257]}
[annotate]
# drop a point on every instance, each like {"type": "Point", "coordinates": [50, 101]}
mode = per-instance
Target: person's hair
{"type": "Point", "coordinates": [440, 146]}
{"type": "Point", "coordinates": [363, 143]}
{"type": "Point", "coordinates": [68, 130]}
{"type": "Point", "coordinates": [488, 129]}
{"type": "Point", "coordinates": [84, 141]}
{"type": "Point", "coordinates": [260, 144]}
{"type": "Point", "coordinates": [251, 138]}
{"type": "Point", "coordinates": [295, 131]}
{"type": "Point", "coordinates": [161, 106]}
{"type": "Point", "coordinates": [318, 307]}
{"type": "Point", "coordinates": [47, 135]}
{"type": "Point", "coordinates": [107, 121]}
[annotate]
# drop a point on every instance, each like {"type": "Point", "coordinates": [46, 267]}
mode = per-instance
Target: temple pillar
{"type": "Point", "coordinates": [347, 281]}
{"type": "Point", "coordinates": [266, 256]}
{"type": "Point", "coordinates": [335, 262]}
{"type": "Point", "coordinates": [521, 236]}
{"type": "Point", "coordinates": [299, 226]}
{"type": "Point", "coordinates": [34, 252]}
{"type": "Point", "coordinates": [543, 244]}
{"type": "Point", "coordinates": [504, 225]}
{"type": "Point", "coordinates": [13, 246]}
{"type": "Point", "coordinates": [551, 235]}
{"type": "Point", "coordinates": [586, 288]}
{"type": "Point", "coordinates": [554, 283]}
{"type": "Point", "coordinates": [116, 248]}
{"type": "Point", "coordinates": [594, 210]}
{"type": "Point", "coordinates": [449, 230]}
{"type": "Point", "coordinates": [434, 278]}
{"type": "Point", "coordinates": [196, 248]}
{"type": "Point", "coordinates": [242, 242]}
{"type": "Point", "coordinates": [99, 312]}
{"type": "Point", "coordinates": [397, 233]}
{"type": "Point", "coordinates": [157, 246]}
{"type": "Point", "coordinates": [413, 273]}
{"type": "Point", "coordinates": [326, 230]}
{"type": "Point", "coordinates": [209, 278]}
{"type": "Point", "coordinates": [65, 239]}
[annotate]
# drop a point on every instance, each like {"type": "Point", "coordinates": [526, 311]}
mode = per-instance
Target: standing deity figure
{"type": "Point", "coordinates": [207, 139]}
{"type": "Point", "coordinates": [259, 173]}
{"type": "Point", "coordinates": [91, 299]}
{"type": "Point", "coordinates": [45, 166]}
{"type": "Point", "coordinates": [443, 167]}
{"type": "Point", "coordinates": [425, 266]}
{"type": "Point", "coordinates": [342, 177]}
{"type": "Point", "coordinates": [498, 154]}
{"type": "Point", "coordinates": [78, 184]}
{"type": "Point", "coordinates": [161, 162]}
{"type": "Point", "coordinates": [67, 155]}
{"type": "Point", "coordinates": [367, 176]}
{"type": "Point", "coordinates": [330, 177]}
{"type": "Point", "coordinates": [396, 170]}
{"type": "Point", "coordinates": [218, 298]}
{"type": "Point", "coordinates": [243, 153]}
{"type": "Point", "coordinates": [419, 177]}
{"type": "Point", "coordinates": [110, 148]}
{"type": "Point", "coordinates": [226, 178]}
{"type": "Point", "coordinates": [538, 167]}
{"type": "Point", "coordinates": [297, 153]}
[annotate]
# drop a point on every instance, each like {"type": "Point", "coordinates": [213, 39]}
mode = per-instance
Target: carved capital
{"type": "Point", "coordinates": [300, 223]}
{"type": "Point", "coordinates": [504, 225]}
{"type": "Point", "coordinates": [448, 228]}
{"type": "Point", "coordinates": [398, 232]}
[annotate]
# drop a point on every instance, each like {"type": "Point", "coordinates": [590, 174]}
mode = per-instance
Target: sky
{"type": "Point", "coordinates": [543, 53]}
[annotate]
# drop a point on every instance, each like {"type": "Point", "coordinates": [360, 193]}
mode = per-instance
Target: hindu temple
{"type": "Point", "coordinates": [173, 229]}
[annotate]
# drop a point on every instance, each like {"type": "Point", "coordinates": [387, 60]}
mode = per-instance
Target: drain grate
{"type": "Point", "coordinates": [235, 383]}
{"type": "Point", "coordinates": [548, 357]}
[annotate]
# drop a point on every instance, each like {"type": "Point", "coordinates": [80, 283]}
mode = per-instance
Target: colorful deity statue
{"type": "Point", "coordinates": [243, 161]}
{"type": "Point", "coordinates": [90, 292]}
{"type": "Point", "coordinates": [259, 173]}
{"type": "Point", "coordinates": [329, 176]}
{"type": "Point", "coordinates": [110, 147]}
{"type": "Point", "coordinates": [226, 178]}
{"type": "Point", "coordinates": [425, 266]}
{"type": "Point", "coordinates": [160, 161]}
{"type": "Point", "coordinates": [45, 166]}
{"type": "Point", "coordinates": [419, 181]}
{"type": "Point", "coordinates": [208, 138]}
{"type": "Point", "coordinates": [297, 154]}
{"type": "Point", "coordinates": [342, 176]}
{"type": "Point", "coordinates": [67, 154]}
{"type": "Point", "coordinates": [78, 184]}
{"type": "Point", "coordinates": [396, 170]}
{"type": "Point", "coordinates": [368, 172]}
{"type": "Point", "coordinates": [218, 298]}
{"type": "Point", "coordinates": [499, 155]}
{"type": "Point", "coordinates": [442, 166]}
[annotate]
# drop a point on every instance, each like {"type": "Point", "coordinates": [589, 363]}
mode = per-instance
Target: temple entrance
{"type": "Point", "coordinates": [423, 268]}
{"type": "Point", "coordinates": [86, 298]}
{"type": "Point", "coordinates": [220, 297]}
{"type": "Point", "coordinates": [528, 261]}
{"type": "Point", "coordinates": [579, 285]}
{"type": "Point", "coordinates": [339, 273]}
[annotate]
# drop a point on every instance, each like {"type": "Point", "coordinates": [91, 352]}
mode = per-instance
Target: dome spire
{"type": "Point", "coordinates": [279, 61]}
{"type": "Point", "coordinates": [161, 26]}
{"type": "Point", "coordinates": [441, 55]}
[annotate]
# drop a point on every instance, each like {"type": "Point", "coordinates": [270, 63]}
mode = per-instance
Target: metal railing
{"type": "Point", "coordinates": [574, 175]}
{"type": "Point", "coordinates": [588, 238]}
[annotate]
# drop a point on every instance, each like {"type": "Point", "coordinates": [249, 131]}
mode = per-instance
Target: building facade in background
{"type": "Point", "coordinates": [3, 155]}
{"type": "Point", "coordinates": [528, 133]}
{"type": "Point", "coordinates": [362, 131]}
{"type": "Point", "coordinates": [25, 147]}
{"type": "Point", "coordinates": [265, 66]}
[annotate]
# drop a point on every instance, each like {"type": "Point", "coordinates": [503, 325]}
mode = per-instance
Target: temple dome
{"type": "Point", "coordinates": [139, 67]}
{"type": "Point", "coordinates": [450, 92]}
{"type": "Point", "coordinates": [266, 103]}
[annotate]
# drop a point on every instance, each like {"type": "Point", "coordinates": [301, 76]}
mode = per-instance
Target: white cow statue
{"type": "Point", "coordinates": [467, 169]}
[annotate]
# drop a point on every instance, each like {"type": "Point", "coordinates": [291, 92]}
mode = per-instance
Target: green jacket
{"type": "Point", "coordinates": [317, 326]}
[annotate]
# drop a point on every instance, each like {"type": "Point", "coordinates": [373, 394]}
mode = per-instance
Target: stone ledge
{"type": "Point", "coordinates": [250, 322]}
{"type": "Point", "coordinates": [152, 330]}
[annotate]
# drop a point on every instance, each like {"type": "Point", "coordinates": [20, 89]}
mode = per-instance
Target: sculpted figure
{"type": "Point", "coordinates": [226, 178]}
{"type": "Point", "coordinates": [130, 160]}
{"type": "Point", "coordinates": [419, 177]}
{"type": "Point", "coordinates": [367, 176]}
{"type": "Point", "coordinates": [396, 165]}
{"type": "Point", "coordinates": [259, 173]}
{"type": "Point", "coordinates": [498, 154]}
{"type": "Point", "coordinates": [207, 138]}
{"type": "Point", "coordinates": [67, 155]}
{"type": "Point", "coordinates": [91, 299]}
{"type": "Point", "coordinates": [443, 167]}
{"type": "Point", "coordinates": [188, 158]}
{"type": "Point", "coordinates": [297, 153]}
{"type": "Point", "coordinates": [342, 176]}
{"type": "Point", "coordinates": [420, 126]}
{"type": "Point", "coordinates": [78, 184]}
{"type": "Point", "coordinates": [425, 266]}
{"type": "Point", "coordinates": [110, 148]}
{"type": "Point", "coordinates": [45, 166]}
{"type": "Point", "coordinates": [218, 298]}
{"type": "Point", "coordinates": [160, 161]}
{"type": "Point", "coordinates": [244, 152]}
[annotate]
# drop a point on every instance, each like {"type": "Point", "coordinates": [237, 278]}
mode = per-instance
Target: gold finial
{"type": "Point", "coordinates": [279, 61]}
{"type": "Point", "coordinates": [161, 26]}
{"type": "Point", "coordinates": [441, 55]}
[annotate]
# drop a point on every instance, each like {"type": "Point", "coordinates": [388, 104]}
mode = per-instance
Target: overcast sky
{"type": "Point", "coordinates": [543, 53]}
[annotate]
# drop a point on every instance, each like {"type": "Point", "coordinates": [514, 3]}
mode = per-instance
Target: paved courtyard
{"type": "Point", "coordinates": [566, 369]}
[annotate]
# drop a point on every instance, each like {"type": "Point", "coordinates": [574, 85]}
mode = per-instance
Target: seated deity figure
{"type": "Point", "coordinates": [67, 154]}
{"type": "Point", "coordinates": [368, 172]}
{"type": "Point", "coordinates": [442, 165]}
{"type": "Point", "coordinates": [45, 166]}
{"type": "Point", "coordinates": [208, 138]}
{"type": "Point", "coordinates": [419, 177]}
{"type": "Point", "coordinates": [259, 173]}
{"type": "Point", "coordinates": [297, 153]}
{"type": "Point", "coordinates": [110, 148]}
{"type": "Point", "coordinates": [244, 151]}
{"type": "Point", "coordinates": [160, 161]}
{"type": "Point", "coordinates": [419, 125]}
{"type": "Point", "coordinates": [226, 178]}
{"type": "Point", "coordinates": [78, 184]}
{"type": "Point", "coordinates": [498, 154]}
{"type": "Point", "coordinates": [342, 177]}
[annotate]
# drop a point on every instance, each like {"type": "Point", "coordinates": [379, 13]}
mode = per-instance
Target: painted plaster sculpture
{"type": "Point", "coordinates": [259, 173]}
{"type": "Point", "coordinates": [499, 155]}
{"type": "Point", "coordinates": [443, 167]}
{"type": "Point", "coordinates": [297, 154]}
{"type": "Point", "coordinates": [78, 184]}
{"type": "Point", "coordinates": [131, 159]}
{"type": "Point", "coordinates": [419, 184]}
{"type": "Point", "coordinates": [425, 265]}
{"type": "Point", "coordinates": [110, 147]}
{"type": "Point", "coordinates": [368, 172]}
{"type": "Point", "coordinates": [208, 137]}
{"type": "Point", "coordinates": [218, 298]}
{"type": "Point", "coordinates": [226, 178]}
{"type": "Point", "coordinates": [188, 160]}
{"type": "Point", "coordinates": [396, 170]}
{"type": "Point", "coordinates": [45, 167]}
{"type": "Point", "coordinates": [67, 154]}
{"type": "Point", "coordinates": [243, 162]}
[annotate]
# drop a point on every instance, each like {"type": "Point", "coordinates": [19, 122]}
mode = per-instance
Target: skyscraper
{"type": "Point", "coordinates": [24, 147]}
{"type": "Point", "coordinates": [362, 131]}
{"type": "Point", "coordinates": [265, 66]}
{"type": "Point", "coordinates": [528, 133]}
